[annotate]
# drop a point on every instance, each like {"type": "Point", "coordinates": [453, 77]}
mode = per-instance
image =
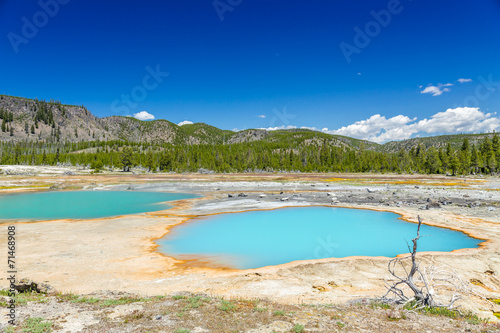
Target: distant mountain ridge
{"type": "Point", "coordinates": [36, 120]}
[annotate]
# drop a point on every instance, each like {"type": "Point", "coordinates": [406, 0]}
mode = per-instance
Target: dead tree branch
{"type": "Point", "coordinates": [418, 287]}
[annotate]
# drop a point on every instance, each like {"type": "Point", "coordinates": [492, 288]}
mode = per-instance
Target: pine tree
{"type": "Point", "coordinates": [454, 163]}
{"type": "Point", "coordinates": [150, 161]}
{"type": "Point", "coordinates": [165, 161]}
{"type": "Point", "coordinates": [448, 151]}
{"type": "Point", "coordinates": [444, 160]}
{"type": "Point", "coordinates": [495, 145]}
{"type": "Point", "coordinates": [489, 155]}
{"type": "Point", "coordinates": [465, 145]}
{"type": "Point", "coordinates": [126, 158]}
{"type": "Point", "coordinates": [33, 157]}
{"type": "Point", "coordinates": [465, 156]}
{"type": "Point", "coordinates": [433, 163]}
{"type": "Point", "coordinates": [474, 160]}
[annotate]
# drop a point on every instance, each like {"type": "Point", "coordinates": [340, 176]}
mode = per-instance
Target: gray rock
{"type": "Point", "coordinates": [205, 171]}
{"type": "Point", "coordinates": [432, 204]}
{"type": "Point", "coordinates": [27, 285]}
{"type": "Point", "coordinates": [394, 314]}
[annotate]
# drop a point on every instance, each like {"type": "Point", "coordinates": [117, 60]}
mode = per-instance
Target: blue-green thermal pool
{"type": "Point", "coordinates": [263, 238]}
{"type": "Point", "coordinates": [82, 204]}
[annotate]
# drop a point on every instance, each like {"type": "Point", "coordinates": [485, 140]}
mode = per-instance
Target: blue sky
{"type": "Point", "coordinates": [239, 64]}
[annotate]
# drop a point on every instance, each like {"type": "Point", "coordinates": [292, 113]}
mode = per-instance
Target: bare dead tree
{"type": "Point", "coordinates": [418, 287]}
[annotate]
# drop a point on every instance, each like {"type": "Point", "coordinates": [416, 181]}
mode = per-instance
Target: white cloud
{"type": "Point", "coordinates": [261, 116]}
{"type": "Point", "coordinates": [464, 80]}
{"type": "Point", "coordinates": [379, 129]}
{"type": "Point", "coordinates": [282, 127]}
{"type": "Point", "coordinates": [370, 128]}
{"type": "Point", "coordinates": [436, 90]}
{"type": "Point", "coordinates": [185, 122]}
{"type": "Point", "coordinates": [459, 120]}
{"type": "Point", "coordinates": [309, 128]}
{"type": "Point", "coordinates": [143, 115]}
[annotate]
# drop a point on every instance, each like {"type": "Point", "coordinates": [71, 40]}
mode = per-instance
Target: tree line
{"type": "Point", "coordinates": [287, 156]}
{"type": "Point", "coordinates": [7, 117]}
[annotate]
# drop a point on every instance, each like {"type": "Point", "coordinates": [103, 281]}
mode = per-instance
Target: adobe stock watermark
{"type": "Point", "coordinates": [325, 248]}
{"type": "Point", "coordinates": [281, 116]}
{"type": "Point", "coordinates": [139, 93]}
{"type": "Point", "coordinates": [49, 9]}
{"type": "Point", "coordinates": [373, 28]}
{"type": "Point", "coordinates": [223, 6]}
{"type": "Point", "coordinates": [483, 91]}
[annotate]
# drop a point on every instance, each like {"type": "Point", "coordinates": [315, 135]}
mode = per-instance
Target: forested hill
{"type": "Point", "coordinates": [40, 121]}
{"type": "Point", "coordinates": [440, 141]}
{"type": "Point", "coordinates": [37, 132]}
{"type": "Point", "coordinates": [52, 122]}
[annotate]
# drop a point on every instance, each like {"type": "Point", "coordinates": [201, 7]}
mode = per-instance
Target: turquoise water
{"type": "Point", "coordinates": [82, 204]}
{"type": "Point", "coordinates": [263, 238]}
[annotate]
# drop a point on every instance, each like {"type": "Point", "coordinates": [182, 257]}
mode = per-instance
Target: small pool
{"type": "Point", "coordinates": [82, 204]}
{"type": "Point", "coordinates": [262, 238]}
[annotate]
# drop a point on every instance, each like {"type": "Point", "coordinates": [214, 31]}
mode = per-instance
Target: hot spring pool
{"type": "Point", "coordinates": [82, 204]}
{"type": "Point", "coordinates": [263, 238]}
